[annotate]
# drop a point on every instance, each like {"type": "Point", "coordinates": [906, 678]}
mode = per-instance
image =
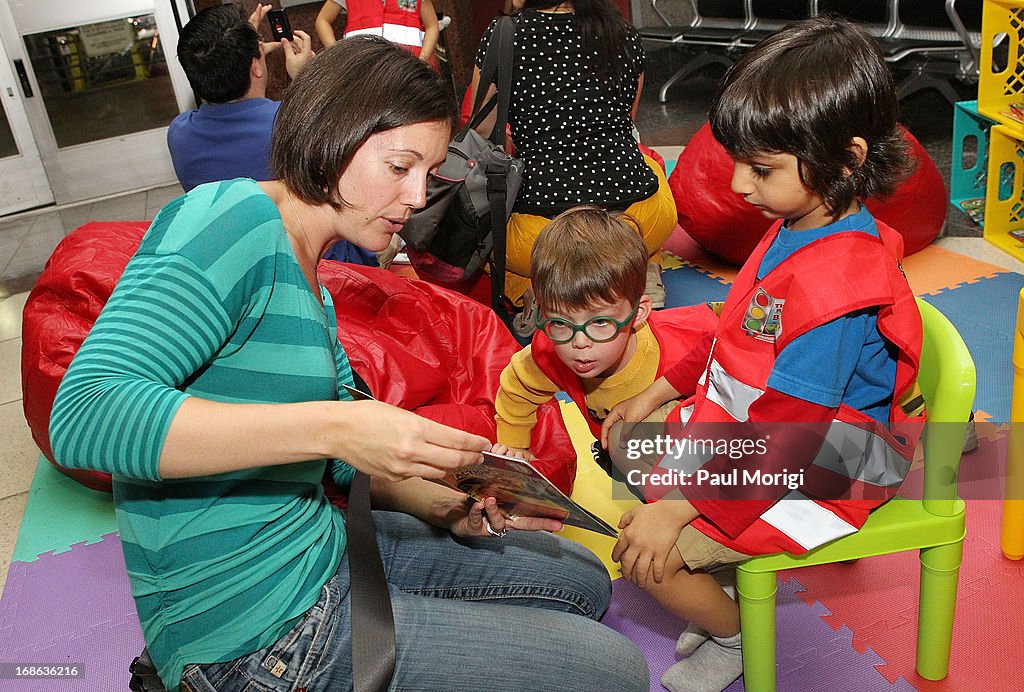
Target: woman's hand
{"type": "Point", "coordinates": [475, 518]}
{"type": "Point", "coordinates": [647, 535]}
{"type": "Point", "coordinates": [381, 440]}
{"type": "Point", "coordinates": [449, 509]}
{"type": "Point", "coordinates": [387, 442]}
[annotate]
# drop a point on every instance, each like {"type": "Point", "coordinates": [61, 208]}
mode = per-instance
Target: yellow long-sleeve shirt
{"type": "Point", "coordinates": [524, 387]}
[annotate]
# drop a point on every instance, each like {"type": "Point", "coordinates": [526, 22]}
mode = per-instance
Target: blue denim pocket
{"type": "Point", "coordinates": [289, 663]}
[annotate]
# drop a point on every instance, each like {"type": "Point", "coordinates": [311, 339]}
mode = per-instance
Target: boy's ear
{"type": "Point", "coordinates": [859, 148]}
{"type": "Point", "coordinates": [643, 311]}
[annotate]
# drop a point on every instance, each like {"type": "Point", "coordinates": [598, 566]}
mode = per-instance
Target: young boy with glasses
{"type": "Point", "coordinates": [597, 338]}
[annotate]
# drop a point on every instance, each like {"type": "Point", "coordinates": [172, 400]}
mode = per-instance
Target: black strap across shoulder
{"type": "Point", "coordinates": [373, 622]}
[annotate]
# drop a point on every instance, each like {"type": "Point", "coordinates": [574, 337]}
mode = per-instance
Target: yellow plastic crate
{"type": "Point", "coordinates": [1002, 49]}
{"type": "Point", "coordinates": [1004, 203]}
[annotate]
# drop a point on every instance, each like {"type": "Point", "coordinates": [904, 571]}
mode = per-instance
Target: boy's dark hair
{"type": "Point", "coordinates": [358, 87]}
{"type": "Point", "coordinates": [216, 49]}
{"type": "Point", "coordinates": [808, 90]}
{"type": "Point", "coordinates": [586, 256]}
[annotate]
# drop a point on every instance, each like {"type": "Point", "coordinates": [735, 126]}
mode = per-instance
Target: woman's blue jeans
{"type": "Point", "coordinates": [514, 613]}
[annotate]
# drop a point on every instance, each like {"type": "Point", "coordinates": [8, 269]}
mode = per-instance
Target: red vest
{"type": "Point", "coordinates": [824, 280]}
{"type": "Point", "coordinates": [394, 20]}
{"type": "Point", "coordinates": [676, 330]}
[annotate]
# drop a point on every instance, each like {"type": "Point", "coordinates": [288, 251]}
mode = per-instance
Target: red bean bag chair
{"type": "Point", "coordinates": [417, 346]}
{"type": "Point", "coordinates": [726, 226]}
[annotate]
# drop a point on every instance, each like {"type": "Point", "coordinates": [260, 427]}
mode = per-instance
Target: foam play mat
{"type": "Point", "coordinates": [840, 627]}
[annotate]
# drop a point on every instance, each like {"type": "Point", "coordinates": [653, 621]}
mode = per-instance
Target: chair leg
{"type": "Point", "coordinates": [756, 593]}
{"type": "Point", "coordinates": [940, 572]}
{"type": "Point", "coordinates": [919, 81]}
{"type": "Point", "coordinates": [704, 59]}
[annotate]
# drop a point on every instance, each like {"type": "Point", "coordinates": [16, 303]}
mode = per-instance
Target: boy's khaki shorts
{"type": "Point", "coordinates": [700, 552]}
{"type": "Point", "coordinates": [697, 550]}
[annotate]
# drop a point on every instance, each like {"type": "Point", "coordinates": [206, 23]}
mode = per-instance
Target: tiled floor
{"type": "Point", "coordinates": [27, 239]}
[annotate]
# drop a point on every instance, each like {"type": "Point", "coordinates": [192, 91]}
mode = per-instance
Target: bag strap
{"type": "Point", "coordinates": [506, 34]}
{"type": "Point", "coordinates": [496, 198]}
{"type": "Point", "coordinates": [496, 70]}
{"type": "Point", "coordinates": [373, 622]}
{"type": "Point", "coordinates": [504, 38]}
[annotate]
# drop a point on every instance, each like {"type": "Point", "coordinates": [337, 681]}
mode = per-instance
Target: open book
{"type": "Point", "coordinates": [522, 490]}
{"type": "Point", "coordinates": [519, 488]}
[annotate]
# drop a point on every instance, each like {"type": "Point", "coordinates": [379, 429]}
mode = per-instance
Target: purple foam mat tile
{"type": "Point", "coordinates": [838, 663]}
{"type": "Point", "coordinates": [652, 628]}
{"type": "Point", "coordinates": [67, 597]}
{"type": "Point", "coordinates": [9, 601]}
{"type": "Point", "coordinates": [810, 654]}
{"type": "Point", "coordinates": [103, 654]}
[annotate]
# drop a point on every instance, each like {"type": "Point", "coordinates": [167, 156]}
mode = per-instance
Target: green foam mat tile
{"type": "Point", "coordinates": [60, 513]}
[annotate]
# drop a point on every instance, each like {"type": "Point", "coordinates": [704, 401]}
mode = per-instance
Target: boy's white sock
{"type": "Point", "coordinates": [713, 666]}
{"type": "Point", "coordinates": [693, 636]}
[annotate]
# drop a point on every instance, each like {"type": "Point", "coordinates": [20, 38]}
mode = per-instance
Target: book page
{"type": "Point", "coordinates": [522, 490]}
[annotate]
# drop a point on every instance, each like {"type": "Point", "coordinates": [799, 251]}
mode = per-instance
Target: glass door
{"type": "Point", "coordinates": [23, 182]}
{"type": "Point", "coordinates": [102, 94]}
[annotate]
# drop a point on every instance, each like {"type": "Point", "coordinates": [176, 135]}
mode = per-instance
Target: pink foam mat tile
{"type": "Point", "coordinates": [876, 598]}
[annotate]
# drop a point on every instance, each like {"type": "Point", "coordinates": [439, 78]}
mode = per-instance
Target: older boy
{"type": "Point", "coordinates": [818, 340]}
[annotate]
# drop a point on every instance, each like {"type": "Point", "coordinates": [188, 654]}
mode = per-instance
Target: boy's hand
{"type": "Point", "coordinates": [258, 14]}
{"type": "Point", "coordinates": [630, 411]}
{"type": "Point", "coordinates": [516, 452]}
{"type": "Point", "coordinates": [637, 408]}
{"type": "Point", "coordinates": [647, 535]}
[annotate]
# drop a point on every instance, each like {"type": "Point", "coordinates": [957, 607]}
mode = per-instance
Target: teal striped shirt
{"type": "Point", "coordinates": [214, 305]}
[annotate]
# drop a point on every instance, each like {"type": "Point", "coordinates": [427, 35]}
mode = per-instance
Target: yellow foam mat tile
{"type": "Point", "coordinates": [594, 490]}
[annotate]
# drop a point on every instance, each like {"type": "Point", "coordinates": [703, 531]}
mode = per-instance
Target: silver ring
{"type": "Point", "coordinates": [490, 530]}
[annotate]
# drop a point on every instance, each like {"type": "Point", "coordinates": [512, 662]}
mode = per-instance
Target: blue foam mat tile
{"type": "Point", "coordinates": [984, 313]}
{"type": "Point", "coordinates": [688, 286]}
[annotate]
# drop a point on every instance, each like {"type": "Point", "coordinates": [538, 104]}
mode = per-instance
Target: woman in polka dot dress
{"type": "Point", "coordinates": [578, 70]}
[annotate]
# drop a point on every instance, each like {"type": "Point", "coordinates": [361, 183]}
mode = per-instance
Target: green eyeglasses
{"type": "Point", "coordinates": [597, 329]}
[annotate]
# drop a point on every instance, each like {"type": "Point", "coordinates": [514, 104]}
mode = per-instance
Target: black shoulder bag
{"type": "Point", "coordinates": [462, 226]}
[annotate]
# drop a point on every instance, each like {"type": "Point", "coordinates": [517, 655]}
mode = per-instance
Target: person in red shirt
{"type": "Point", "coordinates": [411, 24]}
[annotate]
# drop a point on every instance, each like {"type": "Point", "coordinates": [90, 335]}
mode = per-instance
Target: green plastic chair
{"type": "Point", "coordinates": [934, 525]}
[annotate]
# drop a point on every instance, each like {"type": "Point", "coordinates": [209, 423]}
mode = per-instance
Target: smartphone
{"type": "Point", "coordinates": [279, 26]}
